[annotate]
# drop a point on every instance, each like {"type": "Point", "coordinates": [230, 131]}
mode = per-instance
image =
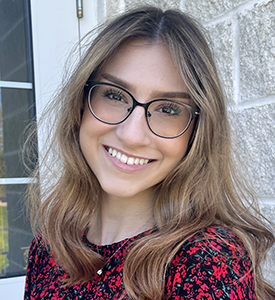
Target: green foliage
{"type": "Point", "coordinates": [4, 245]}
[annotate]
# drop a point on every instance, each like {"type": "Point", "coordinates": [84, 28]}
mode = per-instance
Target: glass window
{"type": "Point", "coordinates": [15, 39]}
{"type": "Point", "coordinates": [17, 110]}
{"type": "Point", "coordinates": [15, 233]}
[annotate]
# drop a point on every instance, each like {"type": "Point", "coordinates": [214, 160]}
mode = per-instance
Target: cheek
{"type": "Point", "coordinates": [176, 148]}
{"type": "Point", "coordinates": [176, 151]}
{"type": "Point", "coordinates": [84, 128]}
{"type": "Point", "coordinates": [88, 133]}
{"type": "Point", "coordinates": [90, 127]}
{"type": "Point", "coordinates": [87, 117]}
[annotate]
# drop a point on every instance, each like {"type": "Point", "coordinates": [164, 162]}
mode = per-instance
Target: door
{"type": "Point", "coordinates": [36, 37]}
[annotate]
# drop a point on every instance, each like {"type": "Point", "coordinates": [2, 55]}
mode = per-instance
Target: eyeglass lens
{"type": "Point", "coordinates": [113, 105]}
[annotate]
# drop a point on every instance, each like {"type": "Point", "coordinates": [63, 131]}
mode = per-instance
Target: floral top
{"type": "Point", "coordinates": [209, 266]}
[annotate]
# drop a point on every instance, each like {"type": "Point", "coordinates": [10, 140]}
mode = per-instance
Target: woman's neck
{"type": "Point", "coordinates": [121, 218]}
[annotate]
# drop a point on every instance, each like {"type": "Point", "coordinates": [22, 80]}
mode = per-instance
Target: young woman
{"type": "Point", "coordinates": [144, 201]}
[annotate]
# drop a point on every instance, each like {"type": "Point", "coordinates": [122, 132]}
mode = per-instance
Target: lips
{"type": "Point", "coordinates": [129, 160]}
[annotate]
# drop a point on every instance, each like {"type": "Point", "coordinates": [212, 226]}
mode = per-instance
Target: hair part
{"type": "Point", "coordinates": [205, 189]}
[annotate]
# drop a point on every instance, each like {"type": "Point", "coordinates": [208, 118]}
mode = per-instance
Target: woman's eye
{"type": "Point", "coordinates": [169, 109]}
{"type": "Point", "coordinates": [114, 95]}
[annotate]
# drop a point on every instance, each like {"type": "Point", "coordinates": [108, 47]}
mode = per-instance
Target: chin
{"type": "Point", "coordinates": [124, 193]}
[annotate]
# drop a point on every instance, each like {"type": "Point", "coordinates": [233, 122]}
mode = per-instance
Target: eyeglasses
{"type": "Point", "coordinates": [112, 105]}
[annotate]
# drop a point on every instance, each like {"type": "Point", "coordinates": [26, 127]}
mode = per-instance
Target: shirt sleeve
{"type": "Point", "coordinates": [211, 268]}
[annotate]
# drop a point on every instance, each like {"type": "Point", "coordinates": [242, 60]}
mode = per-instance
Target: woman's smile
{"type": "Point", "coordinates": [126, 158]}
{"type": "Point", "coordinates": [125, 162]}
{"type": "Point", "coordinates": [129, 160]}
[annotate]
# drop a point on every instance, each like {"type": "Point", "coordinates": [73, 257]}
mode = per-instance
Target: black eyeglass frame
{"type": "Point", "coordinates": [195, 112]}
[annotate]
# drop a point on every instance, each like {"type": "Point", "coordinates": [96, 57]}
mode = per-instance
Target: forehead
{"type": "Point", "coordinates": [146, 65]}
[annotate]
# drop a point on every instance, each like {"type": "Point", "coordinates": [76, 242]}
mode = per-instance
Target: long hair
{"type": "Point", "coordinates": [203, 190]}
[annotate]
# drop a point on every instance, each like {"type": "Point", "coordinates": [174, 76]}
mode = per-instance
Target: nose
{"type": "Point", "coordinates": [134, 131]}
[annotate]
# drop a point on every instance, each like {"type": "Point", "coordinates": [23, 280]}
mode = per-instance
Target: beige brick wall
{"type": "Point", "coordinates": [243, 35]}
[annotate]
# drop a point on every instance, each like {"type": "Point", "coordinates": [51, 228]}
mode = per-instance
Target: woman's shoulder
{"type": "Point", "coordinates": [214, 244]}
{"type": "Point", "coordinates": [212, 263]}
{"type": "Point", "coordinates": [217, 239]}
{"type": "Point", "coordinates": [39, 254]}
{"type": "Point", "coordinates": [41, 259]}
{"type": "Point", "coordinates": [38, 246]}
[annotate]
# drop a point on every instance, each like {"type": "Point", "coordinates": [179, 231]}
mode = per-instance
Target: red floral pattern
{"type": "Point", "coordinates": [212, 265]}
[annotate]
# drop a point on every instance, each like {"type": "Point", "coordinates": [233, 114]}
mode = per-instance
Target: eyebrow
{"type": "Point", "coordinates": [128, 86]}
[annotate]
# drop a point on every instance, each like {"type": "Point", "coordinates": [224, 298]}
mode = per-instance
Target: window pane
{"type": "Point", "coordinates": [15, 41]}
{"type": "Point", "coordinates": [17, 112]}
{"type": "Point", "coordinates": [15, 234]}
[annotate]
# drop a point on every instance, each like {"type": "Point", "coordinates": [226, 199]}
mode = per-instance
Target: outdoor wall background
{"type": "Point", "coordinates": [243, 35]}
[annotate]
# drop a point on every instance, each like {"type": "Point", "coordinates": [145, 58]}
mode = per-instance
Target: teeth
{"type": "Point", "coordinates": [127, 160]}
{"type": "Point", "coordinates": [114, 153]}
{"type": "Point", "coordinates": [124, 158]}
{"type": "Point", "coordinates": [130, 161]}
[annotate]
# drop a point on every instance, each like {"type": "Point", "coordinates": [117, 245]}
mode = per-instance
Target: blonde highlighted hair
{"type": "Point", "coordinates": [203, 190]}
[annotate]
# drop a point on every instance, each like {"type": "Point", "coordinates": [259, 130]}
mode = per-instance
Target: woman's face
{"type": "Point", "coordinates": [147, 72]}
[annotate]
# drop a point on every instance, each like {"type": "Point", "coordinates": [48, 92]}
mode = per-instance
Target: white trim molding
{"type": "Point", "coordinates": [19, 180]}
{"type": "Point", "coordinates": [16, 85]}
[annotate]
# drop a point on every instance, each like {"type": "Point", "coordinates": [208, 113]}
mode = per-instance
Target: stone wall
{"type": "Point", "coordinates": [243, 35]}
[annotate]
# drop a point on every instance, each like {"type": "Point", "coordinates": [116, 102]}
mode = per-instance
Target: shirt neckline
{"type": "Point", "coordinates": [116, 244]}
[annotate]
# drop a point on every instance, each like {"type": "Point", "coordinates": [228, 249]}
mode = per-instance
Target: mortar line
{"type": "Point", "coordinates": [232, 12]}
{"type": "Point", "coordinates": [236, 57]}
{"type": "Point", "coordinates": [256, 103]}
{"type": "Point", "coordinates": [269, 200]}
